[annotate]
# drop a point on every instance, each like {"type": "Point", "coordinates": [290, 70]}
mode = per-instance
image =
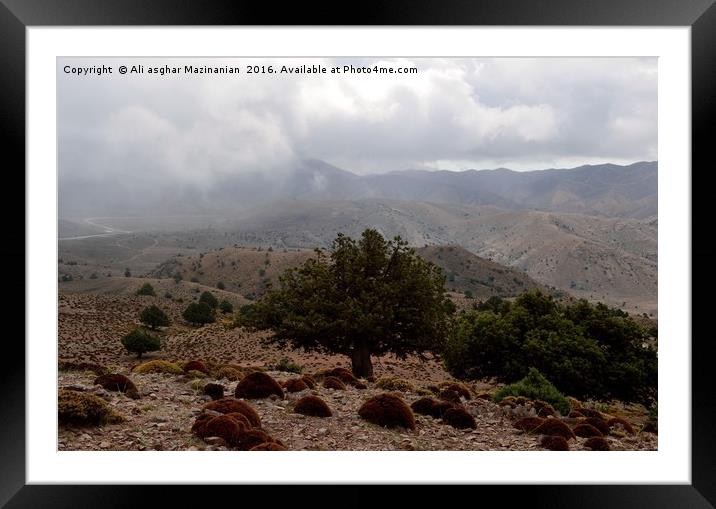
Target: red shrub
{"type": "Point", "coordinates": [597, 444]}
{"type": "Point", "coordinates": [449, 395]}
{"type": "Point", "coordinates": [360, 385]}
{"type": "Point", "coordinates": [343, 374]}
{"type": "Point", "coordinates": [215, 391]}
{"type": "Point", "coordinates": [198, 427]}
{"type": "Point", "coordinates": [331, 382]}
{"type": "Point", "coordinates": [431, 407]}
{"type": "Point", "coordinates": [295, 385]}
{"type": "Point", "coordinates": [313, 406]}
{"type": "Point", "coordinates": [586, 431]}
{"type": "Point", "coordinates": [118, 383]}
{"type": "Point", "coordinates": [575, 413]}
{"type": "Point", "coordinates": [309, 381]}
{"type": "Point", "coordinates": [600, 424]}
{"type": "Point", "coordinates": [554, 427]}
{"type": "Point", "coordinates": [588, 412]}
{"type": "Point", "coordinates": [246, 440]}
{"type": "Point", "coordinates": [241, 419]}
{"type": "Point", "coordinates": [224, 427]}
{"type": "Point", "coordinates": [461, 389]}
{"type": "Point", "coordinates": [528, 423]}
{"type": "Point", "coordinates": [269, 446]}
{"type": "Point", "coordinates": [258, 385]}
{"type": "Point", "coordinates": [195, 366]}
{"type": "Point", "coordinates": [555, 443]}
{"type": "Point", "coordinates": [618, 421]}
{"type": "Point", "coordinates": [543, 408]}
{"type": "Point", "coordinates": [229, 405]}
{"type": "Point", "coordinates": [459, 418]}
{"type": "Point", "coordinates": [387, 410]}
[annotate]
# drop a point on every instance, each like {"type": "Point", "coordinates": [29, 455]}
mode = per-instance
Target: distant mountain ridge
{"type": "Point", "coordinates": [605, 190]}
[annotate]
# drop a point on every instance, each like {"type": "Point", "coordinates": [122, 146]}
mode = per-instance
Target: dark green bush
{"type": "Point", "coordinates": [199, 313]}
{"type": "Point", "coordinates": [154, 317]}
{"type": "Point", "coordinates": [535, 386]}
{"type": "Point", "coordinates": [140, 341]}
{"type": "Point", "coordinates": [226, 307]}
{"type": "Point", "coordinates": [588, 351]}
{"type": "Point", "coordinates": [146, 289]}
{"type": "Point", "coordinates": [209, 299]}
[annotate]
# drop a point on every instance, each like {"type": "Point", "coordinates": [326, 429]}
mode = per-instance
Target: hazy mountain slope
{"type": "Point", "coordinates": [483, 278]}
{"type": "Point", "coordinates": [608, 190]}
{"type": "Point", "coordinates": [620, 255]}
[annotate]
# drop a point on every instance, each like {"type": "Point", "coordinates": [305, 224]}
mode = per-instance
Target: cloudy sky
{"type": "Point", "coordinates": [456, 114]}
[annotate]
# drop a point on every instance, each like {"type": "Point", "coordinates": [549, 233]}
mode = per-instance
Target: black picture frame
{"type": "Point", "coordinates": [700, 15]}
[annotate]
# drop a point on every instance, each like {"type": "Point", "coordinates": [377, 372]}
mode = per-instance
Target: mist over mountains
{"type": "Point", "coordinates": [604, 190]}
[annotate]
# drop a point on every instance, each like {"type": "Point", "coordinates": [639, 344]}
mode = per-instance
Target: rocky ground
{"type": "Point", "coordinates": [90, 327]}
{"type": "Point", "coordinates": [162, 418]}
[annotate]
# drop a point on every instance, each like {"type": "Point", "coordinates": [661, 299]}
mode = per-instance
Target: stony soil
{"type": "Point", "coordinates": [90, 327]}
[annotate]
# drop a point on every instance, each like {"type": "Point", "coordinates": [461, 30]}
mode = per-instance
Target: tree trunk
{"type": "Point", "coordinates": [360, 360]}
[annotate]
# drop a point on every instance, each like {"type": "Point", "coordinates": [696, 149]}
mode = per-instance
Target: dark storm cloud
{"type": "Point", "coordinates": [455, 114]}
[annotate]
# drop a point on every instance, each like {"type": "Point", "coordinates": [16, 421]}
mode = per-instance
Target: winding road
{"type": "Point", "coordinates": [108, 231]}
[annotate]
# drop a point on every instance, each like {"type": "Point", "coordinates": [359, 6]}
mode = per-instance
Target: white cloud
{"type": "Point", "coordinates": [456, 114]}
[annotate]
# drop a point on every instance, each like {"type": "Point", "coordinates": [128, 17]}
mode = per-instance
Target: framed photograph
{"type": "Point", "coordinates": [431, 245]}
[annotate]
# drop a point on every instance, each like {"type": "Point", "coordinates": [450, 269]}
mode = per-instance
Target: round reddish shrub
{"type": "Point", "coordinates": [360, 385]}
{"type": "Point", "coordinates": [543, 408]}
{"type": "Point", "coordinates": [449, 395]}
{"type": "Point", "coordinates": [554, 427]}
{"type": "Point", "coordinates": [224, 427]}
{"type": "Point", "coordinates": [258, 385]}
{"type": "Point", "coordinates": [575, 414]}
{"type": "Point", "coordinates": [387, 410]}
{"type": "Point", "coordinates": [200, 424]}
{"type": "Point", "coordinates": [215, 391]}
{"type": "Point", "coordinates": [195, 366]}
{"type": "Point", "coordinates": [313, 406]}
{"type": "Point", "coordinates": [597, 444]}
{"type": "Point", "coordinates": [618, 421]}
{"type": "Point", "coordinates": [240, 418]}
{"type": "Point", "coordinates": [431, 407]}
{"type": "Point", "coordinates": [309, 381]}
{"type": "Point", "coordinates": [459, 418]}
{"type": "Point", "coordinates": [118, 383]}
{"type": "Point", "coordinates": [343, 374]}
{"type": "Point", "coordinates": [229, 405]}
{"type": "Point", "coordinates": [295, 385]}
{"type": "Point", "coordinates": [600, 424]}
{"type": "Point", "coordinates": [331, 382]}
{"type": "Point", "coordinates": [588, 412]}
{"type": "Point", "coordinates": [554, 443]}
{"type": "Point", "coordinates": [248, 439]}
{"type": "Point", "coordinates": [269, 446]}
{"type": "Point", "coordinates": [461, 389]}
{"type": "Point", "coordinates": [586, 431]}
{"type": "Point", "coordinates": [528, 423]}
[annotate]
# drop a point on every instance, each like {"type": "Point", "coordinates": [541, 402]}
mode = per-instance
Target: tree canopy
{"type": "Point", "coordinates": [364, 298]}
{"type": "Point", "coordinates": [153, 317]}
{"type": "Point", "coordinates": [586, 350]}
{"type": "Point", "coordinates": [199, 313]}
{"type": "Point", "coordinates": [140, 341]}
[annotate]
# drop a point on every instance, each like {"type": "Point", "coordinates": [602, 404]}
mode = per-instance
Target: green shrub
{"type": "Point", "coordinates": [220, 285]}
{"type": "Point", "coordinates": [288, 365]}
{"type": "Point", "coordinates": [146, 289]}
{"type": "Point", "coordinates": [588, 351]}
{"type": "Point", "coordinates": [140, 341]}
{"type": "Point", "coordinates": [199, 313]}
{"type": "Point", "coordinates": [536, 387]}
{"type": "Point", "coordinates": [209, 299]}
{"type": "Point", "coordinates": [153, 317]}
{"type": "Point", "coordinates": [226, 307]}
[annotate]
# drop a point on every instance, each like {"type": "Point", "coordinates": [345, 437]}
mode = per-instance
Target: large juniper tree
{"type": "Point", "coordinates": [364, 298]}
